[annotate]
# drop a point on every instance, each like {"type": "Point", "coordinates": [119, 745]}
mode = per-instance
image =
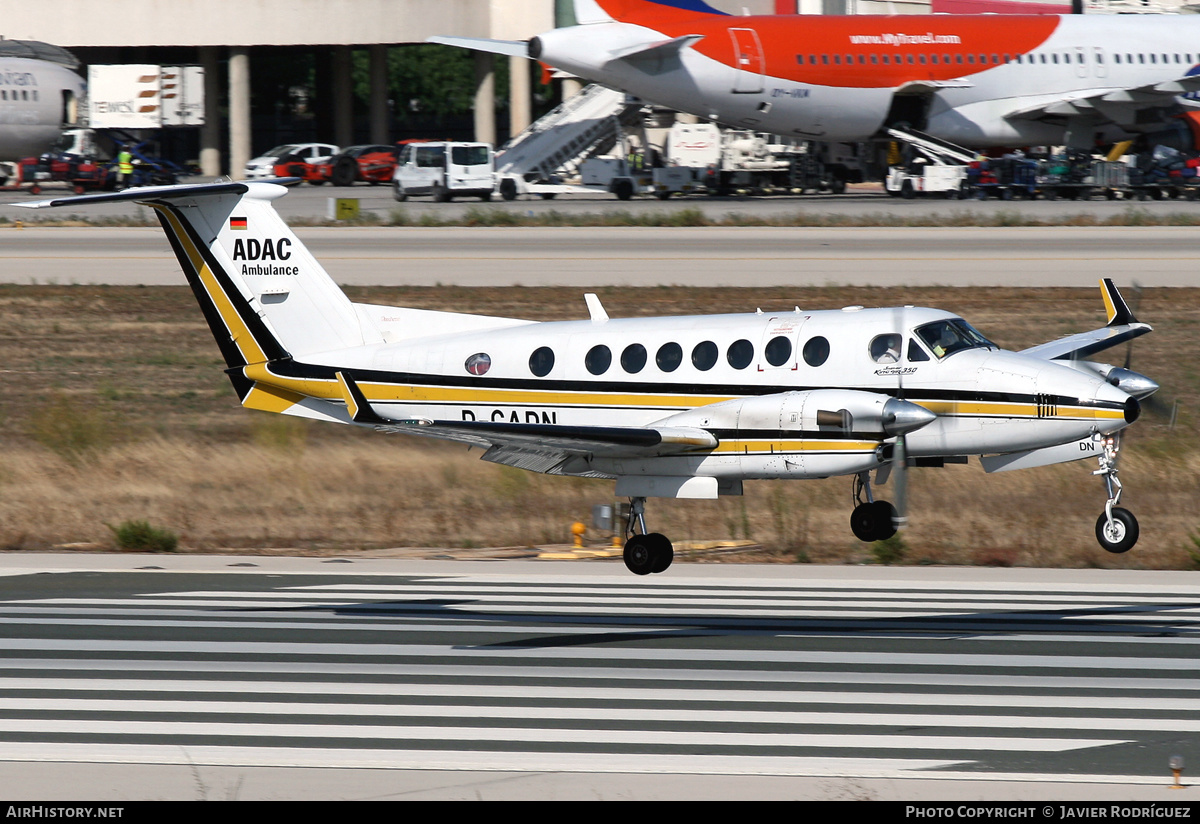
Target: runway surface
{"type": "Point", "coordinates": [601, 256]}
{"type": "Point", "coordinates": [313, 678]}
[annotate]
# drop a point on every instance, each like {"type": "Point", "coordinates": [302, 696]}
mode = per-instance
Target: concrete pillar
{"type": "Point", "coordinates": [210, 132]}
{"type": "Point", "coordinates": [343, 97]}
{"type": "Point", "coordinates": [520, 95]}
{"type": "Point", "coordinates": [380, 114]}
{"type": "Point", "coordinates": [485, 97]}
{"type": "Point", "coordinates": [239, 112]}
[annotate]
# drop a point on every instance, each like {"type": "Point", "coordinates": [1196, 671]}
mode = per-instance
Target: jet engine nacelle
{"type": "Point", "coordinates": [838, 412]}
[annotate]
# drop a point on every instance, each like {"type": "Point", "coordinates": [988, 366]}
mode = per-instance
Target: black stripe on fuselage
{"type": "Point", "coordinates": [289, 368]}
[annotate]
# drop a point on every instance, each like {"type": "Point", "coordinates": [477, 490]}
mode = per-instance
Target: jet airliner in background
{"type": "Point", "coordinates": [40, 95]}
{"type": "Point", "coordinates": [976, 80]}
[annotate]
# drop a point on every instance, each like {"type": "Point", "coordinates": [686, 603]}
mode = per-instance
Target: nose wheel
{"type": "Point", "coordinates": [1116, 528]}
{"type": "Point", "coordinates": [645, 552]}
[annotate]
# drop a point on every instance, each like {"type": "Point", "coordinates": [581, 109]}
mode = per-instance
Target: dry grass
{"type": "Point", "coordinates": [116, 409]}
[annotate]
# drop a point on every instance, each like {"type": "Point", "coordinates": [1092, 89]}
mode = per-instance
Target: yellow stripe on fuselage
{"type": "Point", "coordinates": [330, 389]}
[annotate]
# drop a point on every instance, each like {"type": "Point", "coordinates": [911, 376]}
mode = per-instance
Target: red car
{"type": "Point", "coordinates": [372, 163]}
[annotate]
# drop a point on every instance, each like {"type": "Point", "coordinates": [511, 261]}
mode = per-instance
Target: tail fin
{"type": "Point", "coordinates": [630, 11]}
{"type": "Point", "coordinates": [264, 296]}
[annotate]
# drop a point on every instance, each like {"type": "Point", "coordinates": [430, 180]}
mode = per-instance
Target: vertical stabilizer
{"type": "Point", "coordinates": [264, 295]}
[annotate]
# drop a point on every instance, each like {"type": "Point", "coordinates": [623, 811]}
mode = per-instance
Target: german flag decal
{"type": "Point", "coordinates": [237, 223]}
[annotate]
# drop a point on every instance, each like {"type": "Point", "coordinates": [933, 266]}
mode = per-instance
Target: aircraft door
{"type": "Point", "coordinates": [748, 65]}
{"type": "Point", "coordinates": [1100, 67]}
{"type": "Point", "coordinates": [1081, 66]}
{"type": "Point", "coordinates": [777, 349]}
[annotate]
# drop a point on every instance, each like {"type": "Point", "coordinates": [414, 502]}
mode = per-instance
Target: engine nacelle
{"type": "Point", "coordinates": [837, 412]}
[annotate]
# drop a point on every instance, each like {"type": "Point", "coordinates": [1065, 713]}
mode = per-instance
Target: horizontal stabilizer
{"type": "Point", "coordinates": [143, 193]}
{"type": "Point", "coordinates": [657, 50]}
{"type": "Point", "coordinates": [512, 48]}
{"type": "Point", "coordinates": [1122, 326]}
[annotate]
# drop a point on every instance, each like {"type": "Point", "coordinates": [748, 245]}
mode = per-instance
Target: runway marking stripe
{"type": "Point", "coordinates": [358, 671]}
{"type": "Point", "coordinates": [551, 693]}
{"type": "Point", "coordinates": [572, 736]}
{"type": "Point", "coordinates": [1148, 663]}
{"type": "Point", "coordinates": [604, 714]}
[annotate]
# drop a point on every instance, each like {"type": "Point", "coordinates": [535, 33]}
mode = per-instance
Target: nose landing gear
{"type": "Point", "coordinates": [645, 552]}
{"type": "Point", "coordinates": [1116, 529]}
{"type": "Point", "coordinates": [871, 520]}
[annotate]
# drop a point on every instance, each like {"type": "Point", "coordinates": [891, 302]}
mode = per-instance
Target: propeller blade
{"type": "Point", "coordinates": [900, 468]}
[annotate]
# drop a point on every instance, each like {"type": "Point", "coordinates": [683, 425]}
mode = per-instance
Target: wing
{"type": "Point", "coordinates": [1121, 106]}
{"type": "Point", "coordinates": [1122, 326]}
{"type": "Point", "coordinates": [535, 446]}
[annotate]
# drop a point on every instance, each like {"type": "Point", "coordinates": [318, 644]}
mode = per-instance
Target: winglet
{"type": "Point", "coordinates": [1118, 310]}
{"type": "Point", "coordinates": [356, 402]}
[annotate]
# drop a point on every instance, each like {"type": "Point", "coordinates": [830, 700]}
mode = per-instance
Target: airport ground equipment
{"type": "Point", "coordinates": [932, 167]}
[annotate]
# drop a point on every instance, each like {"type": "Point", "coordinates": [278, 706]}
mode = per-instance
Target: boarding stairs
{"type": "Point", "coordinates": [585, 125]}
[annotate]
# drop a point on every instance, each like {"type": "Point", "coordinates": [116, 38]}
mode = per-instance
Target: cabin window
{"type": "Point", "coordinates": [778, 350]}
{"type": "Point", "coordinates": [837, 60]}
{"type": "Point", "coordinates": [995, 59]}
{"type": "Point", "coordinates": [800, 59]}
{"type": "Point", "coordinates": [479, 363]}
{"type": "Point", "coordinates": [598, 359]}
{"type": "Point", "coordinates": [971, 59]}
{"type": "Point", "coordinates": [740, 353]}
{"type": "Point", "coordinates": [633, 359]}
{"type": "Point", "coordinates": [886, 348]}
{"type": "Point", "coordinates": [958, 59]}
{"type": "Point", "coordinates": [933, 58]}
{"type": "Point", "coordinates": [816, 351]}
{"type": "Point", "coordinates": [704, 355]}
{"type": "Point", "coordinates": [825, 60]}
{"type": "Point", "coordinates": [874, 59]}
{"type": "Point", "coordinates": [910, 60]}
{"type": "Point", "coordinates": [885, 60]}
{"type": "Point", "coordinates": [669, 356]}
{"type": "Point", "coordinates": [862, 59]}
{"type": "Point", "coordinates": [541, 361]}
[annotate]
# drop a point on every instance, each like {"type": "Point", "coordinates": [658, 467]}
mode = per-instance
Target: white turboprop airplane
{"type": "Point", "coordinates": [38, 99]}
{"type": "Point", "coordinates": [683, 407]}
{"type": "Point", "coordinates": [975, 80]}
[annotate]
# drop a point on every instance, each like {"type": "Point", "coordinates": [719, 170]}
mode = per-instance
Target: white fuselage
{"type": "Point", "coordinates": [38, 99]}
{"type": "Point", "coordinates": [794, 86]}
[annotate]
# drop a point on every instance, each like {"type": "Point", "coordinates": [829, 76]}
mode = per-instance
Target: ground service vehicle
{"type": "Point", "coordinates": [444, 171]}
{"type": "Point", "coordinates": [674, 407]}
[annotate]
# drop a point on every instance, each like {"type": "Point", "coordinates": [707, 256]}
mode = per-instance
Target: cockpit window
{"type": "Point", "coordinates": [945, 337]}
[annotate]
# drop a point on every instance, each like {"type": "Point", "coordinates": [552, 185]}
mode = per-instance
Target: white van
{"type": "Point", "coordinates": [445, 171]}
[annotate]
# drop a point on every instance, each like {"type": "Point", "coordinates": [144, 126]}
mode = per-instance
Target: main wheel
{"type": "Point", "coordinates": [640, 555]}
{"type": "Point", "coordinates": [1121, 535]}
{"type": "Point", "coordinates": [662, 551]}
{"type": "Point", "coordinates": [874, 521]}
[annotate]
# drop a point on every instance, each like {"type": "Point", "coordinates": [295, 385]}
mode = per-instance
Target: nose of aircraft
{"type": "Point", "coordinates": [901, 417]}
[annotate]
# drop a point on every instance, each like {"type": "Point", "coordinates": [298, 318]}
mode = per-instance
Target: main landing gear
{"type": "Point", "coordinates": [1116, 529]}
{"type": "Point", "coordinates": [871, 520]}
{"type": "Point", "coordinates": [645, 552]}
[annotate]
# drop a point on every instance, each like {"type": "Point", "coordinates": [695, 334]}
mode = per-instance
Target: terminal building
{"type": "Point", "coordinates": [277, 72]}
